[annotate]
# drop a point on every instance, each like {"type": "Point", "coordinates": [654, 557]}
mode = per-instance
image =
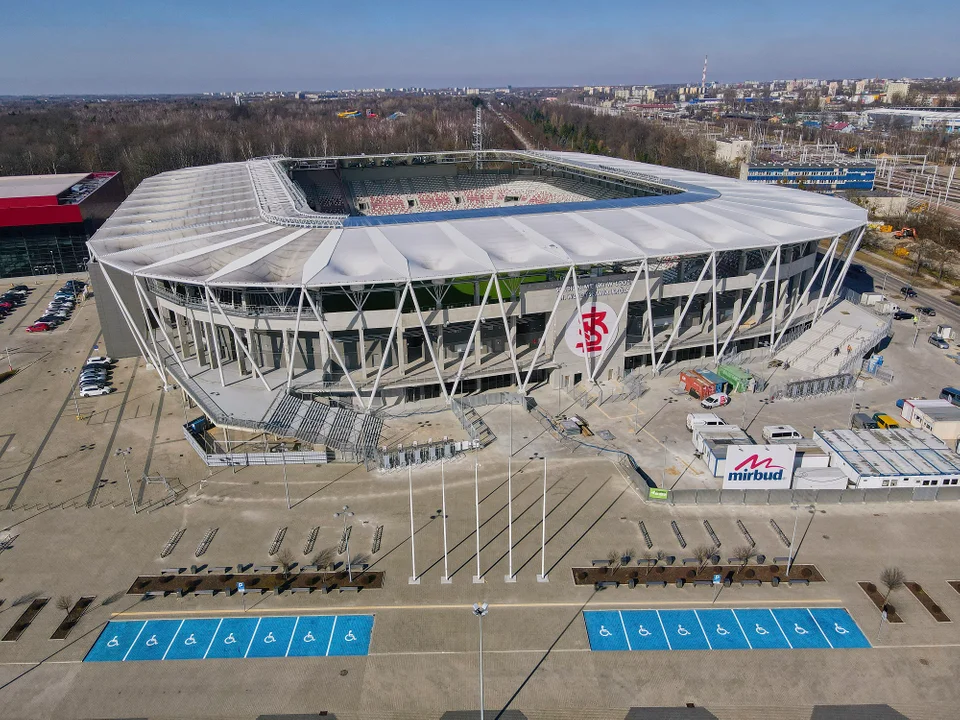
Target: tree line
{"type": "Point", "coordinates": [143, 138]}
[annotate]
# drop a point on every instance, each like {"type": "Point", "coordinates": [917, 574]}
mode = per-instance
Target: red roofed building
{"type": "Point", "coordinates": [46, 220]}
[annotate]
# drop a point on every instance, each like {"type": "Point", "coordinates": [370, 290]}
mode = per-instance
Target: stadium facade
{"type": "Point", "coordinates": [375, 280]}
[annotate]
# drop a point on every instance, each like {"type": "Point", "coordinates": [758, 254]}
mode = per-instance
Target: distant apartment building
{"type": "Point", "coordinates": [899, 89]}
{"type": "Point", "coordinates": [820, 176]}
{"type": "Point", "coordinates": [734, 150]}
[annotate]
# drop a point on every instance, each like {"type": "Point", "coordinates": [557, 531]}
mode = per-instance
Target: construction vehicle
{"type": "Point", "coordinates": [905, 233]}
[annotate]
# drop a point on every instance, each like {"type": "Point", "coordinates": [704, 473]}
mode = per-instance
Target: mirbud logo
{"type": "Point", "coordinates": [754, 463]}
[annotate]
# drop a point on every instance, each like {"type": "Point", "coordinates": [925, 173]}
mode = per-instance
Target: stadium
{"type": "Point", "coordinates": [367, 282]}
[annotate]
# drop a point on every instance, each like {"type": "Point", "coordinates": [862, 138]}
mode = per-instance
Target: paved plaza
{"type": "Point", "coordinates": [73, 532]}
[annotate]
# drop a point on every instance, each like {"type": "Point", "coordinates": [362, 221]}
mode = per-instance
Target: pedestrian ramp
{"type": "Point", "coordinates": [724, 629]}
{"type": "Point", "coordinates": [233, 638]}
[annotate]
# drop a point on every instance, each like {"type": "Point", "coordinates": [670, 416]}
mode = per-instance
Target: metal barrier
{"type": "Point", "coordinates": [821, 497]}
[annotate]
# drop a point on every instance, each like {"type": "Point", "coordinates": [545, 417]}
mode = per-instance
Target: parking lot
{"type": "Point", "coordinates": [73, 532]}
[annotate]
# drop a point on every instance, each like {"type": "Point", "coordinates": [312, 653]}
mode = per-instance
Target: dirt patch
{"type": "Point", "coordinates": [876, 597]}
{"type": "Point", "coordinates": [253, 582]}
{"type": "Point", "coordinates": [733, 573]}
{"type": "Point", "coordinates": [920, 594]}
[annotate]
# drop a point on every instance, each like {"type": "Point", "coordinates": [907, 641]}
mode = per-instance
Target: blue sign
{"type": "Point", "coordinates": [241, 587]}
{"type": "Point", "coordinates": [717, 579]}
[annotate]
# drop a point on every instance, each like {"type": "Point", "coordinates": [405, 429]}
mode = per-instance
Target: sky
{"type": "Point", "coordinates": [175, 46]}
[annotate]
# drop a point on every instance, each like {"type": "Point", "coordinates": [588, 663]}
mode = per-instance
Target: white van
{"type": "Point", "coordinates": [780, 433]}
{"type": "Point", "coordinates": [701, 419]}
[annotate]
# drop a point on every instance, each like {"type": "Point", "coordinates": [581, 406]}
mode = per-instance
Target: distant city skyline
{"type": "Point", "coordinates": [112, 47]}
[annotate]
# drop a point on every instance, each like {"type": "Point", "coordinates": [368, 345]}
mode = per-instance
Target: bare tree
{"type": "Point", "coordinates": [893, 579]}
{"type": "Point", "coordinates": [64, 602]}
{"type": "Point", "coordinates": [703, 554]}
{"type": "Point", "coordinates": [285, 558]}
{"type": "Point", "coordinates": [743, 553]}
{"type": "Point", "coordinates": [323, 559]}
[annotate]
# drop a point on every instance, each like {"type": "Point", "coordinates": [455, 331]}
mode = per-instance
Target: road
{"type": "Point", "coordinates": [892, 282]}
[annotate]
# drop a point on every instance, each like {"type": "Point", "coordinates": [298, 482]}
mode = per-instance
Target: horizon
{"type": "Point", "coordinates": [112, 48]}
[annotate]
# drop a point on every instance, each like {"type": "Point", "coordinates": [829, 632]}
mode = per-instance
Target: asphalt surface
{"type": "Point", "coordinates": [878, 276]}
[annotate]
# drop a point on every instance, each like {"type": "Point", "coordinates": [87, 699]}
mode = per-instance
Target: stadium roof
{"type": "Point", "coordinates": [239, 224]}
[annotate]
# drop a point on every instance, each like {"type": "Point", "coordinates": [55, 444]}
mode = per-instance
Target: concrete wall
{"type": "Point", "coordinates": [117, 337]}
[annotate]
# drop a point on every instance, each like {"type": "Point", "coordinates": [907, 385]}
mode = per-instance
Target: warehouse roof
{"type": "Point", "coordinates": [898, 452]}
{"type": "Point", "coordinates": [241, 224]}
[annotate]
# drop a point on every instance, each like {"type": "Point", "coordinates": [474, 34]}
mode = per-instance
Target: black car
{"type": "Point", "coordinates": [21, 288]}
{"type": "Point", "coordinates": [903, 315]}
{"type": "Point", "coordinates": [928, 311]}
{"type": "Point", "coordinates": [858, 269]}
{"type": "Point", "coordinates": [908, 292]}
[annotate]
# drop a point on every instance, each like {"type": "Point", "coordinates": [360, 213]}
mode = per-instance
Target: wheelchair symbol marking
{"type": "Point", "coordinates": [722, 630]}
{"type": "Point", "coordinates": [643, 632]}
{"type": "Point", "coordinates": [799, 630]}
{"type": "Point", "coordinates": [269, 638]}
{"type": "Point", "coordinates": [349, 637]}
{"type": "Point", "coordinates": [839, 629]}
{"type": "Point", "coordinates": [760, 630]}
{"type": "Point", "coordinates": [113, 642]}
{"type": "Point", "coordinates": [604, 632]}
{"type": "Point", "coordinates": [681, 630]}
{"type": "Point", "coordinates": [229, 639]}
{"type": "Point", "coordinates": [190, 640]}
{"type": "Point", "coordinates": [152, 641]}
{"type": "Point", "coordinates": [309, 637]}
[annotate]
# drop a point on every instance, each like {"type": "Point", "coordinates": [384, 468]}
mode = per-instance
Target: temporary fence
{"type": "Point", "coordinates": [794, 497]}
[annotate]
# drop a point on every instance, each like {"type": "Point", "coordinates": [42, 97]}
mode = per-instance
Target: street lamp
{"type": "Point", "coordinates": [796, 517]}
{"type": "Point", "coordinates": [480, 610]}
{"type": "Point", "coordinates": [122, 453]}
{"type": "Point", "coordinates": [345, 513]}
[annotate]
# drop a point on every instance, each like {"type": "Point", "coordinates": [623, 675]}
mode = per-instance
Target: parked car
{"type": "Point", "coordinates": [939, 342]}
{"type": "Point", "coordinates": [863, 422]}
{"type": "Point", "coordinates": [695, 420]}
{"type": "Point", "coordinates": [49, 319]}
{"type": "Point", "coordinates": [99, 360]}
{"type": "Point", "coordinates": [928, 311]}
{"type": "Point", "coordinates": [94, 391]}
{"type": "Point", "coordinates": [884, 421]}
{"type": "Point", "coordinates": [39, 327]}
{"type": "Point", "coordinates": [908, 292]}
{"type": "Point", "coordinates": [775, 433]}
{"type": "Point", "coordinates": [903, 315]}
{"type": "Point", "coordinates": [714, 401]}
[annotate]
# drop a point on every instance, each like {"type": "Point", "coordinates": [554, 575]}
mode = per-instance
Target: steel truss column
{"type": "Point", "coordinates": [546, 332]}
{"type": "Point", "coordinates": [578, 314]}
{"type": "Point", "coordinates": [145, 299]}
{"type": "Point", "coordinates": [240, 343]}
{"type": "Point", "coordinates": [292, 346]}
{"type": "Point", "coordinates": [510, 337]}
{"type": "Point", "coordinates": [831, 253]}
{"type": "Point", "coordinates": [473, 333]}
{"type": "Point", "coordinates": [799, 302]}
{"type": "Point", "coordinates": [212, 336]}
{"type": "Point", "coordinates": [745, 306]}
{"type": "Point", "coordinates": [333, 347]}
{"type": "Point", "coordinates": [851, 251]}
{"type": "Point", "coordinates": [623, 308]}
{"type": "Point", "coordinates": [683, 313]}
{"type": "Point", "coordinates": [128, 318]}
{"type": "Point", "coordinates": [646, 282]}
{"type": "Point", "coordinates": [713, 303]}
{"type": "Point", "coordinates": [427, 342]}
{"type": "Point", "coordinates": [776, 294]}
{"type": "Point", "coordinates": [387, 349]}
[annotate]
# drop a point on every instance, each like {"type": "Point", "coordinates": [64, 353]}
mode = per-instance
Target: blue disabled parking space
{"type": "Point", "coordinates": [723, 629]}
{"type": "Point", "coordinates": [644, 630]}
{"type": "Point", "coordinates": [683, 630]}
{"type": "Point", "coordinates": [839, 628]}
{"type": "Point", "coordinates": [234, 638]}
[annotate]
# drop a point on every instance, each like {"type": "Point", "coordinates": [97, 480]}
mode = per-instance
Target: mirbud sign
{"type": "Point", "coordinates": [760, 467]}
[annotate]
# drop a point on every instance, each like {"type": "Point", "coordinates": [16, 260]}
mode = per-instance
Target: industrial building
{"type": "Point", "coordinates": [940, 418]}
{"type": "Point", "coordinates": [822, 176]}
{"type": "Point", "coordinates": [374, 280]}
{"type": "Point", "coordinates": [46, 220]}
{"type": "Point", "coordinates": [904, 457]}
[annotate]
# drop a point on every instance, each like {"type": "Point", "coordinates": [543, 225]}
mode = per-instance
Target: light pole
{"type": "Point", "coordinates": [796, 517]}
{"type": "Point", "coordinates": [9, 361]}
{"type": "Point", "coordinates": [286, 487]}
{"type": "Point", "coordinates": [122, 453]}
{"type": "Point", "coordinates": [663, 470]}
{"type": "Point", "coordinates": [414, 579]}
{"type": "Point", "coordinates": [443, 511]}
{"type": "Point", "coordinates": [509, 577]}
{"type": "Point", "coordinates": [542, 577]}
{"type": "Point", "coordinates": [480, 610]}
{"type": "Point", "coordinates": [478, 578]}
{"type": "Point", "coordinates": [345, 513]}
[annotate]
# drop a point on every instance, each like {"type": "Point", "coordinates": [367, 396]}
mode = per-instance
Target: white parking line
{"type": "Point", "coordinates": [697, 615]}
{"type": "Point", "coordinates": [665, 636]}
{"type": "Point", "coordinates": [214, 637]}
{"type": "Point", "coordinates": [625, 634]}
{"type": "Point", "coordinates": [737, 618]}
{"type": "Point", "coordinates": [172, 639]}
{"type": "Point", "coordinates": [292, 636]}
{"type": "Point", "coordinates": [134, 642]}
{"type": "Point", "coordinates": [819, 628]}
{"type": "Point", "coordinates": [332, 631]}
{"type": "Point", "coordinates": [781, 630]}
{"type": "Point", "coordinates": [253, 637]}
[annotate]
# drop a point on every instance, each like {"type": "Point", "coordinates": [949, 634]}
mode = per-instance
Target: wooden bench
{"type": "Point", "coordinates": [657, 583]}
{"type": "Point", "coordinates": [633, 583]}
{"type": "Point", "coordinates": [744, 583]}
{"type": "Point", "coordinates": [219, 569]}
{"type": "Point", "coordinates": [599, 562]}
{"type": "Point", "coordinates": [205, 592]}
{"type": "Point", "coordinates": [782, 560]}
{"type": "Point", "coordinates": [687, 561]}
{"type": "Point", "coordinates": [309, 568]}
{"type": "Point", "coordinates": [799, 581]}
{"type": "Point", "coordinates": [362, 567]}
{"type": "Point", "coordinates": [265, 568]}
{"type": "Point", "coordinates": [155, 593]}
{"type": "Point", "coordinates": [172, 571]}
{"type": "Point", "coordinates": [350, 588]}
{"type": "Point", "coordinates": [605, 584]}
{"type": "Point", "coordinates": [301, 590]}
{"type": "Point", "coordinates": [699, 583]}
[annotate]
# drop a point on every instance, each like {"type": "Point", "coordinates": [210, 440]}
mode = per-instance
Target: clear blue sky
{"type": "Point", "coordinates": [146, 46]}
